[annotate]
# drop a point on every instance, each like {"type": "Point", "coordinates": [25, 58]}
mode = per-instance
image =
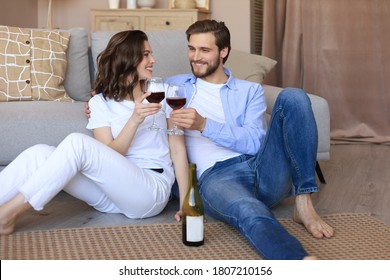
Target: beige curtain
{"type": "Point", "coordinates": [337, 49]}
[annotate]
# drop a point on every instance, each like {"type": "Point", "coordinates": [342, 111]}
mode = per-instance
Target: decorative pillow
{"type": "Point", "coordinates": [32, 64]}
{"type": "Point", "coordinates": [248, 66]}
{"type": "Point", "coordinates": [78, 79]}
{"type": "Point", "coordinates": [99, 41]}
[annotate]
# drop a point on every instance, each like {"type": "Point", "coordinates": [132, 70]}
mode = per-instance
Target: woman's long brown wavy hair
{"type": "Point", "coordinates": [117, 65]}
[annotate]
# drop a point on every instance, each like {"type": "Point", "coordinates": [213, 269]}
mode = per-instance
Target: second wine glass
{"type": "Point", "coordinates": [156, 87]}
{"type": "Point", "coordinates": [176, 99]}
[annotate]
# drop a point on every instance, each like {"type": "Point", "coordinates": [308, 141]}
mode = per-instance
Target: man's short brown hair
{"type": "Point", "coordinates": [218, 28]}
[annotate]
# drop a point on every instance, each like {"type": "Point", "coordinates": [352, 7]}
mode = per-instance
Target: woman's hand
{"type": "Point", "coordinates": [142, 110]}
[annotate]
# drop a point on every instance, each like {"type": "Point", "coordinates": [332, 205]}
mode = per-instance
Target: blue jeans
{"type": "Point", "coordinates": [240, 191]}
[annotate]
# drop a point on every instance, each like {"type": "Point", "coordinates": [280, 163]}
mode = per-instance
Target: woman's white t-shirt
{"type": "Point", "coordinates": [149, 148]}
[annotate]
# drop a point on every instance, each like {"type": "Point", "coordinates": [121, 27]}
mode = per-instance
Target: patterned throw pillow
{"type": "Point", "coordinates": [32, 64]}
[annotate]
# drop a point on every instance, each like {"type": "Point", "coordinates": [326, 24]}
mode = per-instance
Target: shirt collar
{"type": "Point", "coordinates": [230, 82]}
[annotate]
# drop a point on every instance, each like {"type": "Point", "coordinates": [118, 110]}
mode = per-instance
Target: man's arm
{"type": "Point", "coordinates": [245, 126]}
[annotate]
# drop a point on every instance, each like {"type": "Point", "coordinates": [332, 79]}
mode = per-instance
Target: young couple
{"type": "Point", "coordinates": [243, 168]}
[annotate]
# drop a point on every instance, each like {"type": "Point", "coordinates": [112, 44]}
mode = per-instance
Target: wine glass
{"type": "Point", "coordinates": [156, 87]}
{"type": "Point", "coordinates": [176, 99]}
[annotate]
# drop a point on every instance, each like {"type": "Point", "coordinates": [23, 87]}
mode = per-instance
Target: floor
{"type": "Point", "coordinates": [357, 178]}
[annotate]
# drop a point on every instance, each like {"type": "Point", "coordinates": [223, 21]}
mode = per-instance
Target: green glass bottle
{"type": "Point", "coordinates": [193, 212]}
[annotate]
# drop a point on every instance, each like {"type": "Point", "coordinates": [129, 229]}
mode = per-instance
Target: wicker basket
{"type": "Point", "coordinates": [185, 4]}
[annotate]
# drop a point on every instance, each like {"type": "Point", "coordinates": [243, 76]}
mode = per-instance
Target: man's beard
{"type": "Point", "coordinates": [211, 68]}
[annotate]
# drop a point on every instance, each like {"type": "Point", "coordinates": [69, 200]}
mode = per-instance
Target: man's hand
{"type": "Point", "coordinates": [87, 110]}
{"type": "Point", "coordinates": [188, 118]}
{"type": "Point", "coordinates": [86, 105]}
{"type": "Point", "coordinates": [178, 215]}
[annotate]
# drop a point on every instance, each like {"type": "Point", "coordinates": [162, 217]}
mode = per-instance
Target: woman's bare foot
{"type": "Point", "coordinates": [307, 258]}
{"type": "Point", "coordinates": [10, 211]}
{"type": "Point", "coordinates": [7, 226]}
{"type": "Point", "coordinates": [304, 213]}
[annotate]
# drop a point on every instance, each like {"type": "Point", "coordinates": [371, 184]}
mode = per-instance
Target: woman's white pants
{"type": "Point", "coordinates": [89, 171]}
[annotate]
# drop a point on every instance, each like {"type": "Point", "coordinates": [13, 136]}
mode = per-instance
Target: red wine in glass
{"type": "Point", "coordinates": [156, 97]}
{"type": "Point", "coordinates": [176, 102]}
{"type": "Point", "coordinates": [176, 99]}
{"type": "Point", "coordinates": [156, 88]}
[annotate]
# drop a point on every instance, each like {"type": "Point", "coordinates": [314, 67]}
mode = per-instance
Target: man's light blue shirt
{"type": "Point", "coordinates": [244, 107]}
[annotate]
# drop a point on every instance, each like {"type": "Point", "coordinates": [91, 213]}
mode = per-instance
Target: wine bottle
{"type": "Point", "coordinates": [193, 212]}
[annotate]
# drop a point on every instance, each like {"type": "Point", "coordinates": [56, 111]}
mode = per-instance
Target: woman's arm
{"type": "Point", "coordinates": [180, 162]}
{"type": "Point", "coordinates": [122, 142]}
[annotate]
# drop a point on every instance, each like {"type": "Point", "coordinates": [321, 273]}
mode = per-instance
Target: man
{"type": "Point", "coordinates": [244, 169]}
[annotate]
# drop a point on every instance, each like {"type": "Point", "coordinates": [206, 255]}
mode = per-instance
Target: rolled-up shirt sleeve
{"type": "Point", "coordinates": [245, 126]}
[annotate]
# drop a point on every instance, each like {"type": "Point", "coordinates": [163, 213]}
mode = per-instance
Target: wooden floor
{"type": "Point", "coordinates": [358, 181]}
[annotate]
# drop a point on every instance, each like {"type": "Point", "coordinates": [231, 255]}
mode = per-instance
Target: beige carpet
{"type": "Point", "coordinates": [358, 236]}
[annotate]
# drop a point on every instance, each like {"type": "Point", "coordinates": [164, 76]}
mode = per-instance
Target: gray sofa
{"type": "Point", "coordinates": [25, 123]}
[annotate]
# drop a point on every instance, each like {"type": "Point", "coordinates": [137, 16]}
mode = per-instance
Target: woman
{"type": "Point", "coordinates": [126, 169]}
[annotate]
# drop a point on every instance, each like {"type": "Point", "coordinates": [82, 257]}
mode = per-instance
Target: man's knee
{"type": "Point", "coordinates": [294, 98]}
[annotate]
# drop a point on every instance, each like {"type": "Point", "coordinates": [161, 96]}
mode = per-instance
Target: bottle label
{"type": "Point", "coordinates": [195, 228]}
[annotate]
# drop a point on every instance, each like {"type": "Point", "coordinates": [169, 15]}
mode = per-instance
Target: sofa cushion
{"type": "Point", "coordinates": [77, 80]}
{"type": "Point", "coordinates": [248, 66]}
{"type": "Point", "coordinates": [32, 64]}
{"type": "Point", "coordinates": [170, 48]}
{"type": "Point", "coordinates": [99, 41]}
{"type": "Point", "coordinates": [24, 124]}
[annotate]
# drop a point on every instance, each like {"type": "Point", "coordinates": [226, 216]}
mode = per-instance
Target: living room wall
{"type": "Point", "coordinates": [11, 14]}
{"type": "Point", "coordinates": [75, 13]}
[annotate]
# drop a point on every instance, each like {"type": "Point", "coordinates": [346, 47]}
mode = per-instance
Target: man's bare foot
{"type": "Point", "coordinates": [10, 211]}
{"type": "Point", "coordinates": [304, 213]}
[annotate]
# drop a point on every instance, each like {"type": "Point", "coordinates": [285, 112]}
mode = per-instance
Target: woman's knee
{"type": "Point", "coordinates": [39, 151]}
{"type": "Point", "coordinates": [76, 137]}
{"type": "Point", "coordinates": [76, 141]}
